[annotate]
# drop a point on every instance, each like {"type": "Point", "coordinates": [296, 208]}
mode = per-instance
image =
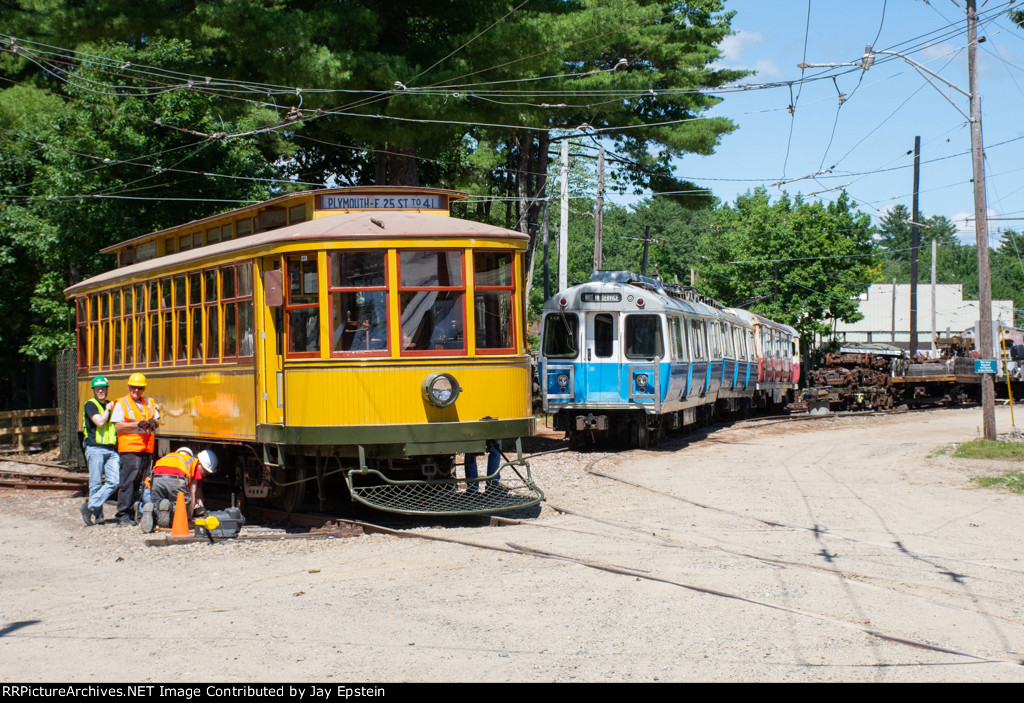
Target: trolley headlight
{"type": "Point", "coordinates": [563, 380]}
{"type": "Point", "coordinates": [441, 389]}
{"type": "Point", "coordinates": [641, 380]}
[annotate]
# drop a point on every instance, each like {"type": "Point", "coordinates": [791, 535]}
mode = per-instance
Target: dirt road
{"type": "Point", "coordinates": [839, 549]}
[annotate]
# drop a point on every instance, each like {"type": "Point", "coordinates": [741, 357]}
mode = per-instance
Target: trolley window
{"type": "Point", "coordinates": [154, 323]}
{"type": "Point", "coordinates": [115, 323]}
{"type": "Point", "coordinates": [431, 291]}
{"type": "Point", "coordinates": [129, 326]}
{"type": "Point", "coordinates": [643, 337]}
{"type": "Point", "coordinates": [141, 348]}
{"type": "Point", "coordinates": [236, 300]}
{"type": "Point", "coordinates": [212, 310]}
{"type": "Point", "coordinates": [359, 302]}
{"type": "Point", "coordinates": [96, 358]}
{"type": "Point", "coordinates": [195, 300]}
{"type": "Point", "coordinates": [181, 317]}
{"type": "Point", "coordinates": [82, 332]}
{"type": "Point", "coordinates": [561, 336]}
{"type": "Point", "coordinates": [493, 284]}
{"type": "Point", "coordinates": [303, 305]}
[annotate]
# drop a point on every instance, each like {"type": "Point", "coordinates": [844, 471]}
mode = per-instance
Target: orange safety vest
{"type": "Point", "coordinates": [136, 440]}
{"type": "Point", "coordinates": [177, 464]}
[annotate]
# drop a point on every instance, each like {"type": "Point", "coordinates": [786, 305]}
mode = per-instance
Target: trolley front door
{"type": "Point", "coordinates": [270, 341]}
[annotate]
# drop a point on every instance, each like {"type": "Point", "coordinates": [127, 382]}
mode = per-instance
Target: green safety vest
{"type": "Point", "coordinates": [104, 436]}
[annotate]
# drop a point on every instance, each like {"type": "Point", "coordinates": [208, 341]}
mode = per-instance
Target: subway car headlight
{"type": "Point", "coordinates": [641, 380]}
{"type": "Point", "coordinates": [563, 380]}
{"type": "Point", "coordinates": [441, 389]}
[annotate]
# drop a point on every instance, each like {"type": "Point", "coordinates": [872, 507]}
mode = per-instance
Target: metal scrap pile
{"type": "Point", "coordinates": [853, 381]}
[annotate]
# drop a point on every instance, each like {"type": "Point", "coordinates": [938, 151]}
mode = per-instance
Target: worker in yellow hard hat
{"type": "Point", "coordinates": [135, 418]}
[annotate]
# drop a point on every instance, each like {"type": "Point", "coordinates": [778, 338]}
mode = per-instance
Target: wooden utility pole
{"type": "Point", "coordinates": [915, 245]}
{"type": "Point", "coordinates": [988, 395]}
{"type": "Point", "coordinates": [547, 268]}
{"type": "Point", "coordinates": [599, 211]}
{"type": "Point", "coordinates": [563, 225]}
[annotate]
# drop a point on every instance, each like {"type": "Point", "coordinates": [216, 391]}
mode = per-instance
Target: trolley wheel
{"type": "Point", "coordinates": [294, 495]}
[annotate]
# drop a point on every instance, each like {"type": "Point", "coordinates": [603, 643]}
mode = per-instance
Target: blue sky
{"type": "Point", "coordinates": [866, 141]}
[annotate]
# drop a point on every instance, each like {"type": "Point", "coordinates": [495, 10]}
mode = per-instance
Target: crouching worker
{"type": "Point", "coordinates": [177, 472]}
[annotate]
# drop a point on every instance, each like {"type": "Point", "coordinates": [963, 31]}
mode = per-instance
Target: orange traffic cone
{"type": "Point", "coordinates": [180, 526]}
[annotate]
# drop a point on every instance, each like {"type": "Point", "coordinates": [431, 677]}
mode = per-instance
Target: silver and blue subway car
{"type": "Point", "coordinates": [626, 357]}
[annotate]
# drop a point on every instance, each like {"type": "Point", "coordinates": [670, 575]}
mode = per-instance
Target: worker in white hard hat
{"type": "Point", "coordinates": [177, 472]}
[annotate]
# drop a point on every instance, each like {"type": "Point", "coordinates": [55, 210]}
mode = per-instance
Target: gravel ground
{"type": "Point", "coordinates": [839, 549]}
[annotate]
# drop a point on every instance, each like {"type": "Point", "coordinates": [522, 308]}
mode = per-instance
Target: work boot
{"type": "Point", "coordinates": [163, 513]}
{"type": "Point", "coordinates": [148, 521]}
{"type": "Point", "coordinates": [86, 514]}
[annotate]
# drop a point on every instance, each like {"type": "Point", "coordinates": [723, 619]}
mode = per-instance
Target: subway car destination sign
{"type": "Point", "coordinates": [382, 201]}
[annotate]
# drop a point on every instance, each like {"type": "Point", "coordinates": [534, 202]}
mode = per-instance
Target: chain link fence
{"type": "Point", "coordinates": [67, 400]}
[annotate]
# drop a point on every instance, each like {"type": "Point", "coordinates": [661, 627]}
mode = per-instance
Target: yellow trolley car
{"type": "Point", "coordinates": [360, 331]}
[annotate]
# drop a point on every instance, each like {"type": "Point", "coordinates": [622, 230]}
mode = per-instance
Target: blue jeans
{"type": "Point", "coordinates": [104, 476]}
{"type": "Point", "coordinates": [493, 463]}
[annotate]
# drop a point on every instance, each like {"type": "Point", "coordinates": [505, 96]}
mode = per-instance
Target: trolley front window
{"type": "Point", "coordinates": [643, 337]}
{"type": "Point", "coordinates": [431, 293]}
{"type": "Point", "coordinates": [494, 284]}
{"type": "Point", "coordinates": [359, 302]}
{"type": "Point", "coordinates": [561, 336]}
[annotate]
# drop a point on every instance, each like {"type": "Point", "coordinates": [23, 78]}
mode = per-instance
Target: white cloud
{"type": "Point", "coordinates": [734, 45]}
{"type": "Point", "coordinates": [735, 54]}
{"type": "Point", "coordinates": [766, 68]}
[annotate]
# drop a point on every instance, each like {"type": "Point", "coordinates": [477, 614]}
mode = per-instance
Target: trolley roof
{"type": "Point", "coordinates": [363, 225]}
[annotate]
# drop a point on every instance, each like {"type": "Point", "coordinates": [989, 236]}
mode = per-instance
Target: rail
{"type": "Point", "coordinates": [12, 424]}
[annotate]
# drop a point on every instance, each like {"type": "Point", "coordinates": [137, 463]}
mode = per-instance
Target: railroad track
{"type": "Point", "coordinates": [23, 479]}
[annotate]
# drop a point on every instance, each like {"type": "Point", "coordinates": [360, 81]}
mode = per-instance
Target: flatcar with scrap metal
{"type": "Point", "coordinates": [354, 331]}
{"type": "Point", "coordinates": [627, 357]}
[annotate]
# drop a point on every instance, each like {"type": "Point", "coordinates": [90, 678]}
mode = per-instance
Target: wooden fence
{"type": "Point", "coordinates": [13, 424]}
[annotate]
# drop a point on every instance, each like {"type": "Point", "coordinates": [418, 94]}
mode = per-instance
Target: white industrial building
{"type": "Point", "coordinates": [883, 322]}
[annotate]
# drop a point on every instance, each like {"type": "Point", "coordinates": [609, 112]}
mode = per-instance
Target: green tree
{"type": "Point", "coordinates": [90, 167]}
{"type": "Point", "coordinates": [800, 263]}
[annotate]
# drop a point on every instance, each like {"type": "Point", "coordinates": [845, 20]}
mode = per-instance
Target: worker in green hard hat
{"type": "Point", "coordinates": [100, 451]}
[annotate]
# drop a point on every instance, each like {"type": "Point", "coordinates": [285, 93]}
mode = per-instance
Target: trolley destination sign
{"type": "Point", "coordinates": [370, 201]}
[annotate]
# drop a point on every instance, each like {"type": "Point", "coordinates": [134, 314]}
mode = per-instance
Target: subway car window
{"type": "Point", "coordinates": [604, 335]}
{"type": "Point", "coordinates": [643, 336]}
{"type": "Point", "coordinates": [561, 336]}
